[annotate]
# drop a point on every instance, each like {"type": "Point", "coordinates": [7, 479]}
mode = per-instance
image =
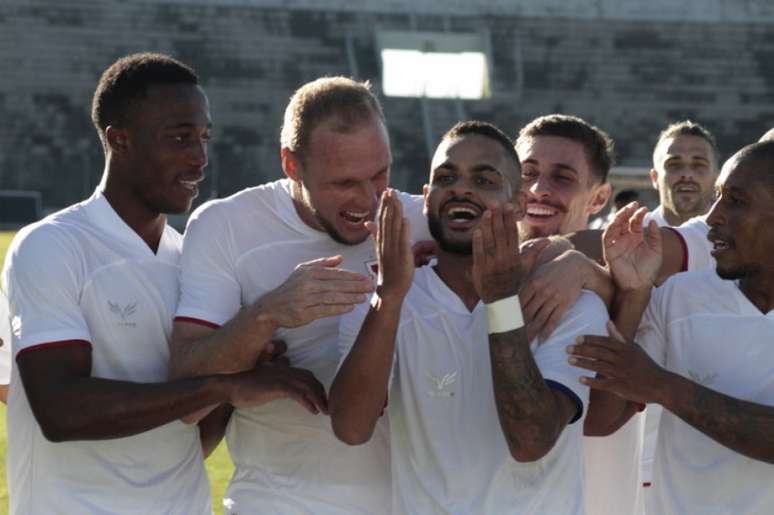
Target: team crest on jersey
{"type": "Point", "coordinates": [441, 385]}
{"type": "Point", "coordinates": [123, 312]}
{"type": "Point", "coordinates": [372, 267]}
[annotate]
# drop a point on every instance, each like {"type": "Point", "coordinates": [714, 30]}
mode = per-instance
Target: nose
{"type": "Point", "coordinates": [199, 157]}
{"type": "Point", "coordinates": [539, 187]}
{"type": "Point", "coordinates": [715, 217]}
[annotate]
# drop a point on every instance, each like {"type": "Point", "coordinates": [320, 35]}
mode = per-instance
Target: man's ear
{"type": "Point", "coordinates": [654, 178]}
{"type": "Point", "coordinates": [117, 140]}
{"type": "Point", "coordinates": [600, 198]}
{"type": "Point", "coordinates": [290, 164]}
{"type": "Point", "coordinates": [425, 191]}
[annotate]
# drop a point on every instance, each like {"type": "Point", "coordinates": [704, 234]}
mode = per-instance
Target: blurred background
{"type": "Point", "coordinates": [628, 66]}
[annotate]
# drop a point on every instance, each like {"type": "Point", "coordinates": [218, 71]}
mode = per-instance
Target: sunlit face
{"type": "Point", "coordinates": [340, 178]}
{"type": "Point", "coordinates": [166, 137]}
{"type": "Point", "coordinates": [469, 174]}
{"type": "Point", "coordinates": [562, 192]}
{"type": "Point", "coordinates": [684, 174]}
{"type": "Point", "coordinates": [742, 222]}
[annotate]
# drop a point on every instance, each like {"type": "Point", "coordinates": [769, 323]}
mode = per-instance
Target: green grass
{"type": "Point", "coordinates": [219, 466]}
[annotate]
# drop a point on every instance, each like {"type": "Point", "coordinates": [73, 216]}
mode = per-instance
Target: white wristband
{"type": "Point", "coordinates": [504, 315]}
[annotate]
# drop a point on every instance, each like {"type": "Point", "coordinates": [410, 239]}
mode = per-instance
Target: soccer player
{"type": "Point", "coordinates": [266, 262]}
{"type": "Point", "coordinates": [708, 339]}
{"type": "Point", "coordinates": [685, 166]}
{"type": "Point", "coordinates": [481, 420]}
{"type": "Point", "coordinates": [92, 421]}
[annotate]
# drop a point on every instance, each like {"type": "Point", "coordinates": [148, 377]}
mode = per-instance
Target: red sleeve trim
{"type": "Point", "coordinates": [640, 406]}
{"type": "Point", "coordinates": [197, 321]}
{"type": "Point", "coordinates": [684, 264]}
{"type": "Point", "coordinates": [53, 345]}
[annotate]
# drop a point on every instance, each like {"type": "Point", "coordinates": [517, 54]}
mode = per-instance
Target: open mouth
{"type": "Point", "coordinates": [541, 212]}
{"type": "Point", "coordinates": [718, 244]}
{"type": "Point", "coordinates": [461, 214]}
{"type": "Point", "coordinates": [354, 217]}
{"type": "Point", "coordinates": [686, 188]}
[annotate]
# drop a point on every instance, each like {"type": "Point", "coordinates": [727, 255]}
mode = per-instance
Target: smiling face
{"type": "Point", "coordinates": [562, 191]}
{"type": "Point", "coordinates": [163, 146]}
{"type": "Point", "coordinates": [742, 220]}
{"type": "Point", "coordinates": [340, 177]}
{"type": "Point", "coordinates": [684, 174]}
{"type": "Point", "coordinates": [469, 174]}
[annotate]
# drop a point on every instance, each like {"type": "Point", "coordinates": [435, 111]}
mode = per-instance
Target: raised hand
{"type": "Point", "coordinates": [623, 368]}
{"type": "Point", "coordinates": [393, 248]}
{"type": "Point", "coordinates": [315, 289]}
{"type": "Point", "coordinates": [632, 253]}
{"type": "Point", "coordinates": [265, 384]}
{"type": "Point", "coordinates": [498, 270]}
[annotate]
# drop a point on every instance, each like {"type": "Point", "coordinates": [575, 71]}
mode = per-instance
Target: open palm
{"type": "Point", "coordinates": [632, 253]}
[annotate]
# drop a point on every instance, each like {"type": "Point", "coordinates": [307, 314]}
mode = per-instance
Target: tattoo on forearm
{"type": "Point", "coordinates": [528, 411]}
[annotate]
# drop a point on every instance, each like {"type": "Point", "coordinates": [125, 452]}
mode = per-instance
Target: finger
{"type": "Point", "coordinates": [307, 403]}
{"type": "Point", "coordinates": [588, 350]}
{"type": "Point", "coordinates": [598, 366]}
{"type": "Point", "coordinates": [335, 274]}
{"type": "Point", "coordinates": [327, 262]}
{"type": "Point", "coordinates": [478, 249]}
{"type": "Point", "coordinates": [423, 252]}
{"type": "Point", "coordinates": [313, 389]}
{"type": "Point", "coordinates": [603, 341]}
{"type": "Point", "coordinates": [532, 306]}
{"type": "Point", "coordinates": [635, 222]}
{"type": "Point", "coordinates": [487, 237]}
{"type": "Point", "coordinates": [511, 228]}
{"type": "Point", "coordinates": [552, 322]}
{"type": "Point", "coordinates": [601, 383]}
{"type": "Point", "coordinates": [499, 237]}
{"type": "Point", "coordinates": [530, 258]}
{"type": "Point", "coordinates": [653, 236]}
{"type": "Point", "coordinates": [327, 310]}
{"type": "Point", "coordinates": [333, 298]}
{"type": "Point", "coordinates": [542, 314]}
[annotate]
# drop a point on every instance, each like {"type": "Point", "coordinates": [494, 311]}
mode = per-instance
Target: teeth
{"type": "Point", "coordinates": [464, 213]}
{"type": "Point", "coordinates": [540, 211]}
{"type": "Point", "coordinates": [191, 185]}
{"type": "Point", "coordinates": [355, 217]}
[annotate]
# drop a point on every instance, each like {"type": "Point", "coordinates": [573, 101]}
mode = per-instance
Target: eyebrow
{"type": "Point", "coordinates": [560, 166]}
{"type": "Point", "coordinates": [185, 125]}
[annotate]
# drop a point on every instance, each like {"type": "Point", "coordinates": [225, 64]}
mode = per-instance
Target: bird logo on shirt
{"type": "Point", "coordinates": [441, 384]}
{"type": "Point", "coordinates": [123, 312]}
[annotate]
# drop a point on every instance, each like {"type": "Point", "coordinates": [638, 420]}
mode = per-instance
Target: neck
{"type": "Point", "coordinates": [760, 290]}
{"type": "Point", "coordinates": [455, 271]}
{"type": "Point", "coordinates": [304, 212]}
{"type": "Point", "coordinates": [149, 225]}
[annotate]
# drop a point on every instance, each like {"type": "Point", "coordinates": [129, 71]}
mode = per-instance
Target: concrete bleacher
{"type": "Point", "coordinates": [628, 66]}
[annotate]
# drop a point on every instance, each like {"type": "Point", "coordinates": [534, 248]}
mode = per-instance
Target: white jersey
{"type": "Point", "coordinates": [449, 454]}
{"type": "Point", "coordinates": [703, 328]}
{"type": "Point", "coordinates": [83, 277]}
{"type": "Point", "coordinates": [657, 215]}
{"type": "Point", "coordinates": [5, 336]}
{"type": "Point", "coordinates": [287, 460]}
{"type": "Point", "coordinates": [697, 247]}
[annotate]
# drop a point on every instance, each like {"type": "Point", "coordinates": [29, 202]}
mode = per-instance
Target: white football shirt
{"type": "Point", "coordinates": [703, 328]}
{"type": "Point", "coordinates": [449, 454]}
{"type": "Point", "coordinates": [83, 277]}
{"type": "Point", "coordinates": [287, 460]}
{"type": "Point", "coordinates": [5, 335]}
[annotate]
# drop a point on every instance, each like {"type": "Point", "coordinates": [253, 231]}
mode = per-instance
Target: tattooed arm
{"type": "Point", "coordinates": [532, 415]}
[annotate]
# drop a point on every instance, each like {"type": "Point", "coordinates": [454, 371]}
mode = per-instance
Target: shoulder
{"type": "Point", "coordinates": [248, 200]}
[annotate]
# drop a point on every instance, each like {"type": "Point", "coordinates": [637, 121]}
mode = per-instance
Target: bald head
{"type": "Point", "coordinates": [757, 161]}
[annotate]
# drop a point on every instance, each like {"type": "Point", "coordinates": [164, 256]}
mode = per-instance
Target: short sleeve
{"type": "Point", "coordinates": [5, 335]}
{"type": "Point", "coordinates": [413, 211]}
{"type": "Point", "coordinates": [587, 316]}
{"type": "Point", "coordinates": [650, 334]}
{"type": "Point", "coordinates": [209, 290]}
{"type": "Point", "coordinates": [44, 278]}
{"type": "Point", "coordinates": [697, 247]}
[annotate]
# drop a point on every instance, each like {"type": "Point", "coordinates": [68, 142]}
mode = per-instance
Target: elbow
{"type": "Point", "coordinates": [348, 434]}
{"type": "Point", "coordinates": [528, 454]}
{"type": "Point", "coordinates": [56, 431]}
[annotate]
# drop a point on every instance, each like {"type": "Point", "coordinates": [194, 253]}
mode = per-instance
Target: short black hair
{"type": "Point", "coordinates": [623, 197]}
{"type": "Point", "coordinates": [599, 146]}
{"type": "Point", "coordinates": [487, 130]}
{"type": "Point", "coordinates": [688, 128]}
{"type": "Point", "coordinates": [759, 157]}
{"type": "Point", "coordinates": [128, 79]}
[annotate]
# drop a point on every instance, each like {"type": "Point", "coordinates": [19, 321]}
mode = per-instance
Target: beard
{"type": "Point", "coordinates": [462, 248]}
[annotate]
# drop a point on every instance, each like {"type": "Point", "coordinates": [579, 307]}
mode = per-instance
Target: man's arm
{"type": "Point", "coordinates": [532, 415]}
{"type": "Point", "coordinates": [359, 391]}
{"type": "Point", "coordinates": [633, 255]}
{"type": "Point", "coordinates": [69, 404]}
{"type": "Point", "coordinates": [742, 426]}
{"type": "Point", "coordinates": [314, 290]}
{"type": "Point", "coordinates": [554, 286]}
{"type": "Point", "coordinates": [4, 393]}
